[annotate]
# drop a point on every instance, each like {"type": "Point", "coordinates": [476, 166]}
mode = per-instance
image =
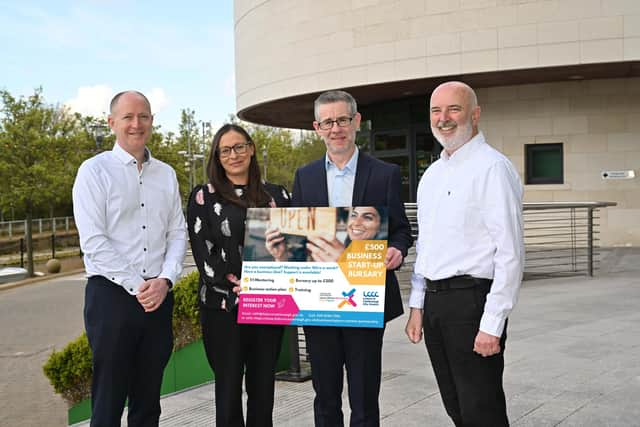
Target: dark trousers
{"type": "Point", "coordinates": [470, 385]}
{"type": "Point", "coordinates": [130, 351]}
{"type": "Point", "coordinates": [360, 351]}
{"type": "Point", "coordinates": [235, 350]}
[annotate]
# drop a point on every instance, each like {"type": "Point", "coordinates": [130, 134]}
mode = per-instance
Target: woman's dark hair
{"type": "Point", "coordinates": [256, 195]}
{"type": "Point", "coordinates": [383, 212]}
{"type": "Point", "coordinates": [383, 231]}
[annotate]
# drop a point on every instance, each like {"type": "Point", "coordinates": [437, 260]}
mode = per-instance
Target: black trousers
{"type": "Point", "coordinates": [234, 351]}
{"type": "Point", "coordinates": [470, 385]}
{"type": "Point", "coordinates": [360, 351]}
{"type": "Point", "coordinates": [130, 351]}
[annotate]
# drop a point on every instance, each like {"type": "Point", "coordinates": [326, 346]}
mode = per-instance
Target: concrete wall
{"type": "Point", "coordinates": [598, 122]}
{"type": "Point", "coordinates": [291, 47]}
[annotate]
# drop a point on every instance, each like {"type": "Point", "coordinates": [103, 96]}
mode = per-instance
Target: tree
{"type": "Point", "coordinates": [38, 150]}
{"type": "Point", "coordinates": [284, 153]}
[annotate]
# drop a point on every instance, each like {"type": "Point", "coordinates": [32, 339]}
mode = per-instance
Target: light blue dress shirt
{"type": "Point", "coordinates": [340, 182]}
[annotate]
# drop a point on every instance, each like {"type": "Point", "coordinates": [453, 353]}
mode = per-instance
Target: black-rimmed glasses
{"type": "Point", "coordinates": [343, 122]}
{"type": "Point", "coordinates": [238, 148]}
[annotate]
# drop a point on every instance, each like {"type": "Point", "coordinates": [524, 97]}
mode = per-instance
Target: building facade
{"type": "Point", "coordinates": [558, 82]}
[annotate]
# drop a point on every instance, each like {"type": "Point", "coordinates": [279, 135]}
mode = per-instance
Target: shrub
{"type": "Point", "coordinates": [69, 370]}
{"type": "Point", "coordinates": [186, 312]}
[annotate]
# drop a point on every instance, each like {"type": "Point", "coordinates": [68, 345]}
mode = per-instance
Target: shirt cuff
{"type": "Point", "coordinates": [418, 286]}
{"type": "Point", "coordinates": [169, 282]}
{"type": "Point", "coordinates": [171, 274]}
{"type": "Point", "coordinates": [492, 325]}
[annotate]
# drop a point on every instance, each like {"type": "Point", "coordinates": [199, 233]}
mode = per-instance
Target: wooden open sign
{"type": "Point", "coordinates": [304, 221]}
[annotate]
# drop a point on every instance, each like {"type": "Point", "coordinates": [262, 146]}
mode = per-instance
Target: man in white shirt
{"type": "Point", "coordinates": [469, 262]}
{"type": "Point", "coordinates": [132, 232]}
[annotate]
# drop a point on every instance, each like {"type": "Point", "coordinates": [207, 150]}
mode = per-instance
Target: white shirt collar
{"type": "Point", "coordinates": [127, 158]}
{"type": "Point", "coordinates": [465, 151]}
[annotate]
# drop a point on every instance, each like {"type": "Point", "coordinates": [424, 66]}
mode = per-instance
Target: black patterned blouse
{"type": "Point", "coordinates": [216, 230]}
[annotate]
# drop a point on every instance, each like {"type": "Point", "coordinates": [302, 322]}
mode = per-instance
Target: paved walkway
{"type": "Point", "coordinates": [572, 359]}
{"type": "Point", "coordinates": [36, 316]}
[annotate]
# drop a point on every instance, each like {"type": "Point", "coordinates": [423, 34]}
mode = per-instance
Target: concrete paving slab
{"type": "Point", "coordinates": [572, 359]}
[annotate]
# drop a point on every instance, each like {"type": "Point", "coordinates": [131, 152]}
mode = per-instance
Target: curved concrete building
{"type": "Point", "coordinates": [558, 82]}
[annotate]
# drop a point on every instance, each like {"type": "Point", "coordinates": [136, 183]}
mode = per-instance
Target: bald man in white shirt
{"type": "Point", "coordinates": [469, 262]}
{"type": "Point", "coordinates": [129, 217]}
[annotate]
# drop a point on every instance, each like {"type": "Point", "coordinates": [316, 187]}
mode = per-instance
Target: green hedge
{"type": "Point", "coordinates": [69, 370]}
{"type": "Point", "coordinates": [186, 312]}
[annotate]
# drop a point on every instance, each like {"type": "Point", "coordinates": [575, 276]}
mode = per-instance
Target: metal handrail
{"type": "Point", "coordinates": [40, 225]}
{"type": "Point", "coordinates": [565, 205]}
{"type": "Point", "coordinates": [562, 231]}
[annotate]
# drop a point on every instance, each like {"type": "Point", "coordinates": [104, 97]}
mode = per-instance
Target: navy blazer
{"type": "Point", "coordinates": [377, 183]}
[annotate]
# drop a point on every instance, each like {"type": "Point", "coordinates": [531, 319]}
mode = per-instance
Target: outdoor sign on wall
{"type": "Point", "coordinates": [629, 174]}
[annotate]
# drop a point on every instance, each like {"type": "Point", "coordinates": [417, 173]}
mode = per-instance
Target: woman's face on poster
{"type": "Point", "coordinates": [363, 223]}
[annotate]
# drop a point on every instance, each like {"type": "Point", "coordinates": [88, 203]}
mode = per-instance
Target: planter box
{"type": "Point", "coordinates": [187, 367]}
{"type": "Point", "coordinates": [79, 412]}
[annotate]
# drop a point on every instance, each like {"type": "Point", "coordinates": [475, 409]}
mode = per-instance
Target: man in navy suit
{"type": "Point", "coordinates": [347, 177]}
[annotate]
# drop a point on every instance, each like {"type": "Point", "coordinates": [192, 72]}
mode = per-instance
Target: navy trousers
{"type": "Point", "coordinates": [470, 385]}
{"type": "Point", "coordinates": [360, 351]}
{"type": "Point", "coordinates": [130, 351]}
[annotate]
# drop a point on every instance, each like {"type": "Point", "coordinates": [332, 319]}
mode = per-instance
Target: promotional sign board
{"type": "Point", "coordinates": [315, 266]}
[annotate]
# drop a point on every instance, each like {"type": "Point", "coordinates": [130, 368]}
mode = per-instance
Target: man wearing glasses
{"type": "Point", "coordinates": [347, 177]}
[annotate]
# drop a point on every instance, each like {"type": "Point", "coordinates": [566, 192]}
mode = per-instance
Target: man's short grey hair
{"type": "Point", "coordinates": [332, 96]}
{"type": "Point", "coordinates": [114, 101]}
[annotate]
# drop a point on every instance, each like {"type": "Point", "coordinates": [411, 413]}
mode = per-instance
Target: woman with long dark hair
{"type": "Point", "coordinates": [215, 216]}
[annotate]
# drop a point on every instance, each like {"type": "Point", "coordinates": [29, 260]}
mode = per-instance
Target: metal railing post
{"type": "Point", "coordinates": [53, 245]}
{"type": "Point", "coordinates": [295, 373]}
{"type": "Point", "coordinates": [574, 244]}
{"type": "Point", "coordinates": [590, 241]}
{"type": "Point", "coordinates": [22, 252]}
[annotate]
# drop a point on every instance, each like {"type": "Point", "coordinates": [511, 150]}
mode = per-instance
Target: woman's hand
{"type": "Point", "coordinates": [324, 248]}
{"type": "Point", "coordinates": [233, 279]}
{"type": "Point", "coordinates": [275, 244]}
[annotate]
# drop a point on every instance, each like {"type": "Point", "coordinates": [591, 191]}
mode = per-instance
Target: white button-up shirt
{"type": "Point", "coordinates": [470, 222]}
{"type": "Point", "coordinates": [130, 222]}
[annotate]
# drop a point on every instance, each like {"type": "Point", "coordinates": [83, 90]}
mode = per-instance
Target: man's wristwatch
{"type": "Point", "coordinates": [169, 284]}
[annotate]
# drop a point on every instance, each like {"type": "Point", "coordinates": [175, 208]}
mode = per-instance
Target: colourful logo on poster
{"type": "Point", "coordinates": [348, 298]}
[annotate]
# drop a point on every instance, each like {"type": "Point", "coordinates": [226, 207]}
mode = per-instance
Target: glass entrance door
{"type": "Point", "coordinates": [427, 151]}
{"type": "Point", "coordinates": [413, 150]}
{"type": "Point", "coordinates": [393, 147]}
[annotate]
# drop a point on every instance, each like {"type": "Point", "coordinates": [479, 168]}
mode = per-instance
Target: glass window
{"type": "Point", "coordinates": [363, 136]}
{"type": "Point", "coordinates": [389, 141]}
{"type": "Point", "coordinates": [403, 162]}
{"type": "Point", "coordinates": [427, 151]}
{"type": "Point", "coordinates": [544, 163]}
